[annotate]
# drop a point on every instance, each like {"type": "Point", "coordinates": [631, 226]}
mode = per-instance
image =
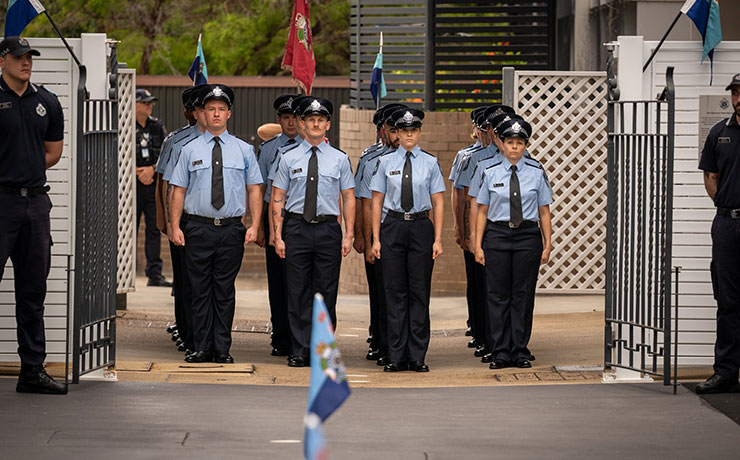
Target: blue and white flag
{"type": "Point", "coordinates": [329, 387]}
{"type": "Point", "coordinates": [377, 82]}
{"type": "Point", "coordinates": [198, 70]}
{"type": "Point", "coordinates": [705, 15]}
{"type": "Point", "coordinates": [20, 13]}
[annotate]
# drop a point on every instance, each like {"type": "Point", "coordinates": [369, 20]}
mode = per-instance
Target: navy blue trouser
{"type": "Point", "coordinates": [213, 258]}
{"type": "Point", "coordinates": [406, 256]}
{"type": "Point", "coordinates": [276, 293]}
{"type": "Point", "coordinates": [725, 269]}
{"type": "Point", "coordinates": [512, 265]}
{"type": "Point", "coordinates": [183, 295]}
{"type": "Point", "coordinates": [378, 318]}
{"type": "Point", "coordinates": [470, 295]}
{"type": "Point", "coordinates": [481, 304]}
{"type": "Point", "coordinates": [146, 203]}
{"type": "Point", "coordinates": [313, 256]}
{"type": "Point", "coordinates": [25, 238]}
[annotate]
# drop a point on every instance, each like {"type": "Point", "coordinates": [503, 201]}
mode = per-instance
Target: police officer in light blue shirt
{"type": "Point", "coordinates": [268, 152]}
{"type": "Point", "coordinates": [308, 184]}
{"type": "Point", "coordinates": [214, 175]}
{"type": "Point", "coordinates": [513, 236]}
{"type": "Point", "coordinates": [407, 185]}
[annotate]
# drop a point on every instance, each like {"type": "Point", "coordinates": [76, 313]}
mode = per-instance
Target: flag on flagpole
{"type": "Point", "coordinates": [299, 57]}
{"type": "Point", "coordinates": [19, 14]}
{"type": "Point", "coordinates": [377, 82]}
{"type": "Point", "coordinates": [198, 70]}
{"type": "Point", "coordinates": [328, 388]}
{"type": "Point", "coordinates": [705, 15]}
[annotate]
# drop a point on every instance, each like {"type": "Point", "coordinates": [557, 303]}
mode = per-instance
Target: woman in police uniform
{"type": "Point", "coordinates": [514, 196]}
{"type": "Point", "coordinates": [406, 185]}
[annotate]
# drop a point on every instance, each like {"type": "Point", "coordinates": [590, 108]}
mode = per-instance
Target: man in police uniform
{"type": "Point", "coordinates": [309, 236]}
{"type": "Point", "coordinates": [215, 175]}
{"type": "Point", "coordinates": [720, 161]}
{"type": "Point", "coordinates": [150, 134]}
{"type": "Point", "coordinates": [266, 155]}
{"type": "Point", "coordinates": [31, 140]}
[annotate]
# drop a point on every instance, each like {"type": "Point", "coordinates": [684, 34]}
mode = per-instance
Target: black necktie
{"type": "Point", "coordinates": [407, 191]}
{"type": "Point", "coordinates": [515, 199]}
{"type": "Point", "coordinates": [217, 176]}
{"type": "Point", "coordinates": [290, 141]}
{"type": "Point", "coordinates": [312, 187]}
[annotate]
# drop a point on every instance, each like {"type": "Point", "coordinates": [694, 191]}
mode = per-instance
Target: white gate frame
{"type": "Point", "coordinates": [126, 273]}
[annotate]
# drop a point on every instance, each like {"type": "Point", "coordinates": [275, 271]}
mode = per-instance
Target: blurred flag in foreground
{"type": "Point", "coordinates": [299, 57]}
{"type": "Point", "coordinates": [198, 70]}
{"type": "Point", "coordinates": [705, 15]}
{"type": "Point", "coordinates": [19, 14]}
{"type": "Point", "coordinates": [377, 82]}
{"type": "Point", "coordinates": [329, 387]}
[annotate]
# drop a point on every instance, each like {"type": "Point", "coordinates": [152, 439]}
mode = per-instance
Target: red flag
{"type": "Point", "coordinates": [299, 56]}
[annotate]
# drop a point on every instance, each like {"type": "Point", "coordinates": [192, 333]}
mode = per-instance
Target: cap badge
{"type": "Point", "coordinates": [218, 92]}
{"type": "Point", "coordinates": [23, 42]}
{"type": "Point", "coordinates": [41, 110]}
{"type": "Point", "coordinates": [315, 105]}
{"type": "Point", "coordinates": [498, 112]}
{"type": "Point", "coordinates": [408, 117]}
{"type": "Point", "coordinates": [516, 127]}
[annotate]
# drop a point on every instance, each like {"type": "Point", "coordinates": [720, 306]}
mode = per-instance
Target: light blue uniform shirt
{"type": "Point", "coordinates": [268, 152]}
{"type": "Point", "coordinates": [194, 170]}
{"type": "Point", "coordinates": [458, 160]}
{"type": "Point", "coordinates": [164, 154]}
{"type": "Point", "coordinates": [482, 165]}
{"type": "Point", "coordinates": [363, 190]}
{"type": "Point", "coordinates": [335, 174]}
{"type": "Point", "coordinates": [533, 185]}
{"type": "Point", "coordinates": [426, 179]}
{"type": "Point", "coordinates": [369, 150]}
{"type": "Point", "coordinates": [176, 149]}
{"type": "Point", "coordinates": [466, 169]}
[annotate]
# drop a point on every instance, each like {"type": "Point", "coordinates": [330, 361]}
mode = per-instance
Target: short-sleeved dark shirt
{"type": "Point", "coordinates": [721, 154]}
{"type": "Point", "coordinates": [149, 140]}
{"type": "Point", "coordinates": [26, 122]}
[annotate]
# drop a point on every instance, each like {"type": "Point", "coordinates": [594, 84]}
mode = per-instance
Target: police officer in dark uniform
{"type": "Point", "coordinates": [308, 184]}
{"type": "Point", "coordinates": [407, 186]}
{"type": "Point", "coordinates": [266, 155]}
{"type": "Point", "coordinates": [214, 177]}
{"type": "Point", "coordinates": [150, 134]}
{"type": "Point", "coordinates": [31, 140]}
{"type": "Point", "coordinates": [720, 161]}
{"type": "Point", "coordinates": [513, 236]}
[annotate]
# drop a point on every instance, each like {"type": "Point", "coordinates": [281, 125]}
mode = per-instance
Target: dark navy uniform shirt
{"type": "Point", "coordinates": [149, 140]}
{"type": "Point", "coordinates": [721, 154]}
{"type": "Point", "coordinates": [26, 122]}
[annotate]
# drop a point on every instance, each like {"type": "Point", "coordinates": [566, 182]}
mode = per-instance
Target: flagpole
{"type": "Point", "coordinates": [69, 48]}
{"type": "Point", "coordinates": [655, 51]}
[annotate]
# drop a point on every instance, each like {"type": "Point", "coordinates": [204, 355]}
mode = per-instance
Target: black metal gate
{"type": "Point", "coordinates": [96, 227]}
{"type": "Point", "coordinates": [639, 231]}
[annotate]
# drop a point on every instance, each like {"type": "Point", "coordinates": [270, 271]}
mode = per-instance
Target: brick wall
{"type": "Point", "coordinates": [443, 134]}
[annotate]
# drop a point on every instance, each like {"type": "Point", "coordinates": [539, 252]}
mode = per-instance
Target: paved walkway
{"type": "Point", "coordinates": [134, 420]}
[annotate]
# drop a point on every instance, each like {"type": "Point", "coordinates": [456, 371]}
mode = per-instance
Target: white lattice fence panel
{"type": "Point", "coordinates": [126, 181]}
{"type": "Point", "coordinates": [567, 111]}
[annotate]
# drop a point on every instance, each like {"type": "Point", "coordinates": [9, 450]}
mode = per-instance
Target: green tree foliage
{"type": "Point", "coordinates": [240, 37]}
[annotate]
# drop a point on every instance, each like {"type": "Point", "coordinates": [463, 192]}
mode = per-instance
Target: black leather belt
{"type": "Point", "coordinates": [524, 224]}
{"type": "Point", "coordinates": [316, 220]}
{"type": "Point", "coordinates": [409, 215]}
{"type": "Point", "coordinates": [216, 221]}
{"type": "Point", "coordinates": [24, 191]}
{"type": "Point", "coordinates": [731, 213]}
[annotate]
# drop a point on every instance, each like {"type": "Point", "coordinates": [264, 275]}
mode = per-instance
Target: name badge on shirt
{"type": "Point", "coordinates": [5, 105]}
{"type": "Point", "coordinates": [197, 162]}
{"type": "Point", "coordinates": [395, 173]}
{"type": "Point", "coordinates": [724, 140]}
{"type": "Point", "coordinates": [498, 184]}
{"type": "Point", "coordinates": [296, 171]}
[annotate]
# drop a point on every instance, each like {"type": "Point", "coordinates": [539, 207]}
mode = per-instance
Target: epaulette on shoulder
{"type": "Point", "coordinates": [466, 148]}
{"type": "Point", "coordinates": [190, 140]}
{"type": "Point", "coordinates": [533, 162]}
{"type": "Point", "coordinates": [337, 148]}
{"type": "Point", "coordinates": [371, 148]}
{"type": "Point", "coordinates": [494, 165]}
{"type": "Point", "coordinates": [270, 140]}
{"type": "Point", "coordinates": [431, 155]}
{"type": "Point", "coordinates": [47, 90]}
{"type": "Point", "coordinates": [287, 148]}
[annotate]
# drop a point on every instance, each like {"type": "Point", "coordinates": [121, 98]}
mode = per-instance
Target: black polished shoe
{"type": "Point", "coordinates": [279, 352]}
{"type": "Point", "coordinates": [487, 358]}
{"type": "Point", "coordinates": [418, 366]}
{"type": "Point", "coordinates": [522, 363]}
{"type": "Point", "coordinates": [188, 351]}
{"type": "Point", "coordinates": [159, 280]}
{"type": "Point", "coordinates": [468, 332]}
{"type": "Point", "coordinates": [175, 336]}
{"type": "Point", "coordinates": [473, 343]}
{"type": "Point", "coordinates": [717, 384]}
{"type": "Point", "coordinates": [372, 355]}
{"type": "Point", "coordinates": [298, 361]}
{"type": "Point", "coordinates": [530, 357]}
{"type": "Point", "coordinates": [34, 379]}
{"type": "Point", "coordinates": [499, 364]}
{"type": "Point", "coordinates": [222, 358]}
{"type": "Point", "coordinates": [383, 360]}
{"type": "Point", "coordinates": [171, 328]}
{"type": "Point", "coordinates": [395, 367]}
{"type": "Point", "coordinates": [181, 347]}
{"type": "Point", "coordinates": [480, 352]}
{"type": "Point", "coordinates": [369, 338]}
{"type": "Point", "coordinates": [199, 357]}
